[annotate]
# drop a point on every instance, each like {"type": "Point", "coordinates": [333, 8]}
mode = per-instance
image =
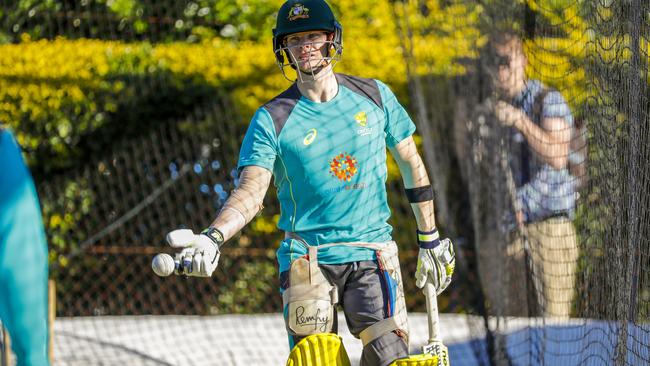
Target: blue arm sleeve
{"type": "Point", "coordinates": [398, 123]}
{"type": "Point", "coordinates": [260, 146]}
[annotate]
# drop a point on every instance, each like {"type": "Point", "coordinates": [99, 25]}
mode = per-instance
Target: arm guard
{"type": "Point", "coordinates": [244, 202]}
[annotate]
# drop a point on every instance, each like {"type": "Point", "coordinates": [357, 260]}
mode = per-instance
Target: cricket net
{"type": "Point", "coordinates": [131, 114]}
{"type": "Point", "coordinates": [590, 265]}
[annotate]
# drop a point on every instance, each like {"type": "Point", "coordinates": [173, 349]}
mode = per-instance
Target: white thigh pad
{"type": "Point", "coordinates": [310, 298]}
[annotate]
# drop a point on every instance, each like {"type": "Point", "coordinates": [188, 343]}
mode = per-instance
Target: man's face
{"type": "Point", "coordinates": [308, 49]}
{"type": "Point", "coordinates": [511, 67]}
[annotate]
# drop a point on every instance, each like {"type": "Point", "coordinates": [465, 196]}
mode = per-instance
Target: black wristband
{"type": "Point", "coordinates": [428, 239]}
{"type": "Point", "coordinates": [215, 235]}
{"type": "Point", "coordinates": [419, 194]}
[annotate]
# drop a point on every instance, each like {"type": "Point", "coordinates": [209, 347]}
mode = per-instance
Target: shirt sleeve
{"type": "Point", "coordinates": [398, 123]}
{"type": "Point", "coordinates": [555, 106]}
{"type": "Point", "coordinates": [260, 143]}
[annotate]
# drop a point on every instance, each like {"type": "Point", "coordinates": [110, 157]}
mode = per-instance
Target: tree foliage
{"type": "Point", "coordinates": [160, 20]}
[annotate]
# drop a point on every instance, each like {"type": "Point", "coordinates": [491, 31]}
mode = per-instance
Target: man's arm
{"type": "Point", "coordinates": [414, 175]}
{"type": "Point", "coordinates": [436, 258]}
{"type": "Point", "coordinates": [244, 202]}
{"type": "Point", "coordinates": [550, 141]}
{"type": "Point", "coordinates": [200, 252]}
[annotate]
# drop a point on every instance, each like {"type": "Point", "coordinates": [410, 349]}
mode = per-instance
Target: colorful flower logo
{"type": "Point", "coordinates": [343, 167]}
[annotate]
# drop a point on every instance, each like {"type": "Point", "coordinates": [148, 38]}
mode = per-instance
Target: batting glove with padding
{"type": "Point", "coordinates": [200, 252]}
{"type": "Point", "coordinates": [436, 260]}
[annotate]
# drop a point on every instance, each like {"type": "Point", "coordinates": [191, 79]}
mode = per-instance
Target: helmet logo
{"type": "Point", "coordinates": [298, 11]}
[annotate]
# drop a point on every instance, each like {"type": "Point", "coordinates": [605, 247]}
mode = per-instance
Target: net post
{"type": "Point", "coordinates": [6, 347]}
{"type": "Point", "coordinates": [51, 315]}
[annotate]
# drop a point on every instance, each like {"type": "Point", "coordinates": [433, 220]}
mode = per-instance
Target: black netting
{"type": "Point", "coordinates": [564, 288]}
{"type": "Point", "coordinates": [138, 132]}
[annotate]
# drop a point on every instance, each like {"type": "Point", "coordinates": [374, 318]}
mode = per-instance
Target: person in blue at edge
{"type": "Point", "coordinates": [23, 258]}
{"type": "Point", "coordinates": [324, 141]}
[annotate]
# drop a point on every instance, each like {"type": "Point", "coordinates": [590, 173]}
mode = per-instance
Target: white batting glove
{"type": "Point", "coordinates": [200, 254]}
{"type": "Point", "coordinates": [436, 261]}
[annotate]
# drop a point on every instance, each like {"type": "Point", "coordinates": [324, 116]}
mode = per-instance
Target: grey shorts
{"type": "Point", "coordinates": [362, 294]}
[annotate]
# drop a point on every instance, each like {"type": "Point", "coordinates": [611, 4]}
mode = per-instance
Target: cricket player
{"type": "Point", "coordinates": [23, 258]}
{"type": "Point", "coordinates": [324, 141]}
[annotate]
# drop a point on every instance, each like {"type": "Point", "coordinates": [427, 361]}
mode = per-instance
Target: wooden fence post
{"type": "Point", "coordinates": [51, 315]}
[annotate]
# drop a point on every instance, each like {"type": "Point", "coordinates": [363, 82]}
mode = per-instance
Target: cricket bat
{"type": "Point", "coordinates": [432, 317]}
{"type": "Point", "coordinates": [434, 346]}
{"type": "Point", "coordinates": [434, 353]}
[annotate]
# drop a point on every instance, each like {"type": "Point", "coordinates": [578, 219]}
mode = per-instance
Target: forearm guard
{"type": "Point", "coordinates": [245, 202]}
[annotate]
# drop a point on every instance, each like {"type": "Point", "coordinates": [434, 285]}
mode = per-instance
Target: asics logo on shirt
{"type": "Point", "coordinates": [310, 137]}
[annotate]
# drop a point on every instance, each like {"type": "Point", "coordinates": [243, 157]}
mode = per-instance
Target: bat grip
{"type": "Point", "coordinates": [432, 311]}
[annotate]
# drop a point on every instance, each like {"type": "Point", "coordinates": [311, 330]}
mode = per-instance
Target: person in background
{"type": "Point", "coordinates": [538, 124]}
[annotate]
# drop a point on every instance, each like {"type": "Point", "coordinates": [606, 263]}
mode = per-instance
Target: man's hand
{"type": "Point", "coordinates": [437, 264]}
{"type": "Point", "coordinates": [507, 114]}
{"type": "Point", "coordinates": [200, 254]}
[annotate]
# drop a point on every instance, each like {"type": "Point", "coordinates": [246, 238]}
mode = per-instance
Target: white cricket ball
{"type": "Point", "coordinates": [163, 264]}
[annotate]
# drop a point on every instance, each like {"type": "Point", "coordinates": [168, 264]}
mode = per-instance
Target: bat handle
{"type": "Point", "coordinates": [432, 311]}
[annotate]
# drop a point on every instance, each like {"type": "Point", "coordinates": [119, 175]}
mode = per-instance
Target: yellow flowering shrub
{"type": "Point", "coordinates": [442, 36]}
{"type": "Point", "coordinates": [558, 61]}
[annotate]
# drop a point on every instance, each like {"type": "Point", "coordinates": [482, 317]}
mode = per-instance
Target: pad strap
{"type": "Point", "coordinates": [378, 329]}
{"type": "Point", "coordinates": [310, 292]}
{"type": "Point", "coordinates": [419, 194]}
{"type": "Point", "coordinates": [313, 263]}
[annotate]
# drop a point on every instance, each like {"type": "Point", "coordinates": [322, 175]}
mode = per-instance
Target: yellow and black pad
{"type": "Point", "coordinates": [417, 360]}
{"type": "Point", "coordinates": [322, 349]}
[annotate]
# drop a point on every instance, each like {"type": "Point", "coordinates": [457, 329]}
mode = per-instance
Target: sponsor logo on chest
{"type": "Point", "coordinates": [361, 120]}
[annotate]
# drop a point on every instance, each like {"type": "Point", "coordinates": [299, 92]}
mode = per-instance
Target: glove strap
{"type": "Point", "coordinates": [215, 235]}
{"type": "Point", "coordinates": [428, 239]}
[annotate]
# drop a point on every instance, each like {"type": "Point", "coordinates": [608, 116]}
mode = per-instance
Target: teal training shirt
{"type": "Point", "coordinates": [329, 165]}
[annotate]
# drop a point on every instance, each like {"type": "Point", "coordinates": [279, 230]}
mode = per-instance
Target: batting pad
{"type": "Point", "coordinates": [319, 349]}
{"type": "Point", "coordinates": [417, 360]}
